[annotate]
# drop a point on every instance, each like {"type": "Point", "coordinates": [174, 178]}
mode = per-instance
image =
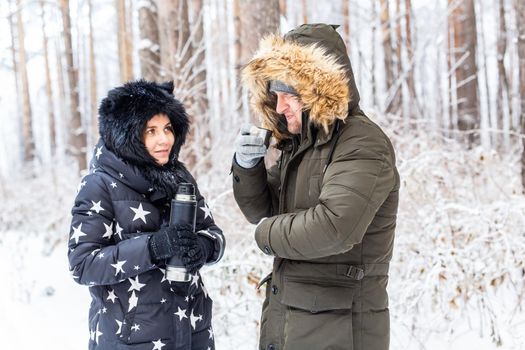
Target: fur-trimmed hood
{"type": "Point", "coordinates": [124, 113]}
{"type": "Point", "coordinates": [313, 60]}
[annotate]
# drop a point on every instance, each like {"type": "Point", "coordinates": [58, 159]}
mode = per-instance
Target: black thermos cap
{"type": "Point", "coordinates": [186, 188]}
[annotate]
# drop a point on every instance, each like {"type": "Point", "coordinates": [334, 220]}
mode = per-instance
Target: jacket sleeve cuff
{"type": "Point", "coordinates": [237, 168]}
{"type": "Point", "coordinates": [262, 236]}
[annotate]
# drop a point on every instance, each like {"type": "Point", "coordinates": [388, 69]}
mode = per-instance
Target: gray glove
{"type": "Point", "coordinates": [249, 149]}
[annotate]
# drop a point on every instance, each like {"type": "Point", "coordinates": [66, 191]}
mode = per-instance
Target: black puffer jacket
{"type": "Point", "coordinates": [117, 207]}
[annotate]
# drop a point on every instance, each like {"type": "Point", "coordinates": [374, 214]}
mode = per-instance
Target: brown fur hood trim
{"type": "Point", "coordinates": [320, 81]}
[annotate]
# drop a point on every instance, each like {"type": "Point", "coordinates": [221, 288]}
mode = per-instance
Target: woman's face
{"type": "Point", "coordinates": [158, 137]}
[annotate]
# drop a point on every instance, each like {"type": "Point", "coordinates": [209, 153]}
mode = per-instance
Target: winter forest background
{"type": "Point", "coordinates": [445, 79]}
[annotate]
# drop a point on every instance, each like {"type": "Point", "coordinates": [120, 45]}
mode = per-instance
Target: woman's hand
{"type": "Point", "coordinates": [194, 249]}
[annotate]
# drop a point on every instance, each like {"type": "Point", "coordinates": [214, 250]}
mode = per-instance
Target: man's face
{"type": "Point", "coordinates": [291, 107]}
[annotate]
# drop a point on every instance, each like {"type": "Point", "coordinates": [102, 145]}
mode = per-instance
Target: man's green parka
{"type": "Point", "coordinates": [330, 202]}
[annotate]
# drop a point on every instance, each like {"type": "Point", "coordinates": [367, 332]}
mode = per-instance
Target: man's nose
{"type": "Point", "coordinates": [281, 105]}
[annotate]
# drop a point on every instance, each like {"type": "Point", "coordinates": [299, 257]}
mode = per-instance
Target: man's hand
{"type": "Point", "coordinates": [249, 149]}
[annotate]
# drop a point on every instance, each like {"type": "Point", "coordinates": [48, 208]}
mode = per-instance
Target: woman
{"type": "Point", "coordinates": [120, 239]}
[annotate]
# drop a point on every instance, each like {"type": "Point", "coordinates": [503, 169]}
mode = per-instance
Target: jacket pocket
{"type": "Point", "coordinates": [147, 323]}
{"type": "Point", "coordinates": [318, 316]}
{"type": "Point", "coordinates": [316, 296]}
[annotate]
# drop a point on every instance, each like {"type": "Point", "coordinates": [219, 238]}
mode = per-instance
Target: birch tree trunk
{"type": "Point", "coordinates": [373, 60]}
{"type": "Point", "coordinates": [92, 78]}
{"type": "Point", "coordinates": [239, 98]}
{"type": "Point", "coordinates": [504, 100]}
{"type": "Point", "coordinates": [62, 98]}
{"type": "Point", "coordinates": [196, 64]}
{"type": "Point", "coordinates": [493, 137]}
{"type": "Point", "coordinates": [27, 123]}
{"type": "Point", "coordinates": [77, 134]}
{"type": "Point", "coordinates": [149, 47]}
{"type": "Point", "coordinates": [49, 88]}
{"type": "Point", "coordinates": [199, 136]}
{"type": "Point", "coordinates": [519, 9]}
{"type": "Point", "coordinates": [14, 60]}
{"type": "Point", "coordinates": [462, 23]}
{"type": "Point", "coordinates": [399, 65]}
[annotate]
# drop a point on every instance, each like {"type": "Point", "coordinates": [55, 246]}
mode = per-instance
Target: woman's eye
{"type": "Point", "coordinates": [150, 131]}
{"type": "Point", "coordinates": [169, 128]}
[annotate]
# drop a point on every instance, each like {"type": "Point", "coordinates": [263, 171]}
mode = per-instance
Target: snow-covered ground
{"type": "Point", "coordinates": [457, 277]}
{"type": "Point", "coordinates": [42, 308]}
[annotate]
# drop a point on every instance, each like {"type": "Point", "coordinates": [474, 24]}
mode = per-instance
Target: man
{"type": "Point", "coordinates": [327, 210]}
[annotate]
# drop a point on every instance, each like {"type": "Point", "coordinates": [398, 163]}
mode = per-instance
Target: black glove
{"type": "Point", "coordinates": [162, 243]}
{"type": "Point", "coordinates": [195, 249]}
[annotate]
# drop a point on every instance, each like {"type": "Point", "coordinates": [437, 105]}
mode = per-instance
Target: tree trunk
{"type": "Point", "coordinates": [391, 103]}
{"type": "Point", "coordinates": [129, 37]}
{"type": "Point", "coordinates": [493, 137]}
{"type": "Point", "coordinates": [258, 18]}
{"type": "Point", "coordinates": [12, 30]}
{"type": "Point", "coordinates": [373, 53]}
{"type": "Point", "coordinates": [49, 88]}
{"type": "Point", "coordinates": [399, 65]}
{"type": "Point", "coordinates": [27, 124]}
{"type": "Point", "coordinates": [346, 25]}
{"type": "Point", "coordinates": [399, 38]}
{"type": "Point", "coordinates": [197, 63]}
{"type": "Point", "coordinates": [283, 8]}
{"type": "Point", "coordinates": [241, 108]}
{"type": "Point", "coordinates": [62, 98]}
{"type": "Point", "coordinates": [175, 45]}
{"type": "Point", "coordinates": [410, 52]}
{"type": "Point", "coordinates": [519, 9]}
{"type": "Point", "coordinates": [199, 136]}
{"type": "Point", "coordinates": [149, 47]}
{"type": "Point", "coordinates": [77, 134]}
{"type": "Point", "coordinates": [92, 79]}
{"type": "Point", "coordinates": [124, 42]}
{"type": "Point", "coordinates": [305, 11]}
{"type": "Point", "coordinates": [462, 23]}
{"type": "Point", "coordinates": [504, 100]}
{"type": "Point", "coordinates": [451, 123]}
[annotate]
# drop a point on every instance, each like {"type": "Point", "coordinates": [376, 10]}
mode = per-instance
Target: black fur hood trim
{"type": "Point", "coordinates": [123, 114]}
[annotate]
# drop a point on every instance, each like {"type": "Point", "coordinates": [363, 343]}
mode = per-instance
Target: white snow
{"type": "Point", "coordinates": [456, 277]}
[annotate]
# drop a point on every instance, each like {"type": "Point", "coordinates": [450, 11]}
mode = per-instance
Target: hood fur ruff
{"type": "Point", "coordinates": [124, 113]}
{"type": "Point", "coordinates": [321, 82]}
